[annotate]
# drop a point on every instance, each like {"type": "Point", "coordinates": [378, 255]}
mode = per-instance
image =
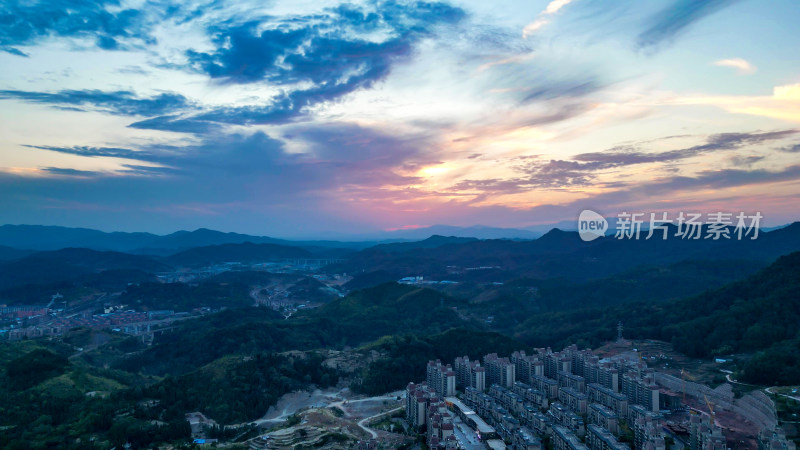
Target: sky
{"type": "Point", "coordinates": [323, 118]}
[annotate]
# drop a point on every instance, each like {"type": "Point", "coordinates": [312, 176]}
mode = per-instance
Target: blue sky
{"type": "Point", "coordinates": [303, 119]}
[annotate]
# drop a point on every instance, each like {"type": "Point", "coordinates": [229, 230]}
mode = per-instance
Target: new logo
{"type": "Point", "coordinates": [591, 225]}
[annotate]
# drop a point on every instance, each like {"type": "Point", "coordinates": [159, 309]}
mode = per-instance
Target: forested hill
{"type": "Point", "coordinates": [357, 319]}
{"type": "Point", "coordinates": [562, 254]}
{"type": "Point", "coordinates": [244, 252]}
{"type": "Point", "coordinates": [758, 314]}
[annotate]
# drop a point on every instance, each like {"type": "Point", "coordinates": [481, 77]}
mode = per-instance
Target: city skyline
{"type": "Point", "coordinates": [306, 118]}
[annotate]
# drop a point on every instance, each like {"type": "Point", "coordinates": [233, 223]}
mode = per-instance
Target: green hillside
{"type": "Point", "coordinates": [758, 314]}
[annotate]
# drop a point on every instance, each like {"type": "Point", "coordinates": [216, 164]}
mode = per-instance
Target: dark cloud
{"type": "Point", "coordinates": [719, 179]}
{"type": "Point", "coordinates": [336, 155]}
{"type": "Point", "coordinates": [244, 55]}
{"type": "Point", "coordinates": [364, 156]}
{"type": "Point", "coordinates": [288, 106]}
{"type": "Point", "coordinates": [249, 173]}
{"type": "Point", "coordinates": [315, 58]}
{"type": "Point", "coordinates": [746, 161]}
{"type": "Point", "coordinates": [561, 89]}
{"type": "Point", "coordinates": [323, 49]}
{"type": "Point", "coordinates": [106, 152]}
{"type": "Point", "coordinates": [626, 156]}
{"type": "Point", "coordinates": [584, 168]}
{"type": "Point", "coordinates": [657, 195]}
{"type": "Point", "coordinates": [137, 169]}
{"type": "Point", "coordinates": [70, 172]}
{"type": "Point", "coordinates": [552, 174]}
{"type": "Point", "coordinates": [235, 153]}
{"type": "Point", "coordinates": [330, 52]}
{"type": "Point", "coordinates": [675, 18]}
{"type": "Point", "coordinates": [24, 22]}
{"type": "Point", "coordinates": [177, 124]}
{"type": "Point", "coordinates": [115, 102]}
{"type": "Point", "coordinates": [791, 148]}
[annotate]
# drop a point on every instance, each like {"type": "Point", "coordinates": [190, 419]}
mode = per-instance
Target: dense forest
{"type": "Point", "coordinates": [184, 297]}
{"type": "Point", "coordinates": [234, 364]}
{"type": "Point", "coordinates": [759, 314]}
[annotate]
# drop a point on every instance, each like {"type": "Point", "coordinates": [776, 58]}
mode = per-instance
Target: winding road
{"type": "Point", "coordinates": [768, 390]}
{"type": "Point", "coordinates": [362, 423]}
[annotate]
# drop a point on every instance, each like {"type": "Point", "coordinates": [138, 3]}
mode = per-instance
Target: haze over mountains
{"type": "Point", "coordinates": [556, 255]}
{"type": "Point", "coordinates": [41, 237]}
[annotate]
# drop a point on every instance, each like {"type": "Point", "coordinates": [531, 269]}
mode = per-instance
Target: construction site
{"type": "Point", "coordinates": [741, 411]}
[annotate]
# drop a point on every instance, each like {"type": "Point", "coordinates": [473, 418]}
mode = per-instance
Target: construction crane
{"type": "Point", "coordinates": [684, 376]}
{"type": "Point", "coordinates": [710, 409]}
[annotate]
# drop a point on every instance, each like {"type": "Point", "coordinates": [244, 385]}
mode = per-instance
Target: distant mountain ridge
{"type": "Point", "coordinates": [476, 231]}
{"type": "Point", "coordinates": [41, 237]}
{"type": "Point", "coordinates": [46, 237]}
{"type": "Point", "coordinates": [239, 252]}
{"type": "Point", "coordinates": [431, 242]}
{"type": "Point", "coordinates": [71, 263]}
{"type": "Point", "coordinates": [563, 254]}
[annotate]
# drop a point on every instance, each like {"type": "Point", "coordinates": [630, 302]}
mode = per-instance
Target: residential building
{"type": "Point", "coordinates": [567, 418]}
{"type": "Point", "coordinates": [441, 378]}
{"type": "Point", "coordinates": [616, 402]}
{"type": "Point", "coordinates": [564, 439]}
{"type": "Point", "coordinates": [418, 397]}
{"type": "Point", "coordinates": [499, 370]}
{"type": "Point", "coordinates": [470, 374]}
{"type": "Point", "coordinates": [547, 385]}
{"type": "Point", "coordinates": [604, 417]}
{"type": "Point", "coordinates": [640, 388]}
{"type": "Point", "coordinates": [524, 438]}
{"type": "Point", "coordinates": [774, 439]}
{"type": "Point", "coordinates": [599, 438]}
{"type": "Point", "coordinates": [573, 399]}
{"type": "Point", "coordinates": [570, 380]}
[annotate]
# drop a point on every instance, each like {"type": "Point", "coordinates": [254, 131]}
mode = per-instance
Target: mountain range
{"type": "Point", "coordinates": [41, 237]}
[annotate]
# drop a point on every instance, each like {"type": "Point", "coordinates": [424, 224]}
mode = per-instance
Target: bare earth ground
{"type": "Point", "coordinates": [317, 413]}
{"type": "Point", "coordinates": [740, 432]}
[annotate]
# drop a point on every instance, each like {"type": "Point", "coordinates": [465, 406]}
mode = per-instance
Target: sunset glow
{"type": "Point", "coordinates": [296, 118]}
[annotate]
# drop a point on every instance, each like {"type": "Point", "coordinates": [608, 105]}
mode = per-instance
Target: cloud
{"type": "Point", "coordinates": [746, 161]}
{"type": "Point", "coordinates": [104, 152]}
{"type": "Point", "coordinates": [719, 179]}
{"type": "Point", "coordinates": [244, 55]}
{"type": "Point", "coordinates": [619, 157]}
{"type": "Point", "coordinates": [287, 106]}
{"type": "Point", "coordinates": [676, 18]}
{"type": "Point", "coordinates": [221, 153]}
{"type": "Point", "coordinates": [178, 124]}
{"type": "Point", "coordinates": [329, 49]}
{"type": "Point", "coordinates": [114, 102]}
{"type": "Point", "coordinates": [584, 168]}
{"type": "Point", "coordinates": [137, 169]}
{"type": "Point", "coordinates": [784, 104]}
{"type": "Point", "coordinates": [664, 194]}
{"type": "Point", "coordinates": [563, 89]}
{"type": "Point", "coordinates": [543, 19]}
{"type": "Point", "coordinates": [69, 172]}
{"type": "Point", "coordinates": [251, 174]}
{"type": "Point", "coordinates": [790, 92]}
{"type": "Point", "coordinates": [24, 22]}
{"type": "Point", "coordinates": [791, 149]}
{"type": "Point", "coordinates": [538, 174]}
{"type": "Point", "coordinates": [363, 156]}
{"type": "Point", "coordinates": [315, 58]}
{"type": "Point", "coordinates": [336, 155]}
{"type": "Point", "coordinates": [743, 67]}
